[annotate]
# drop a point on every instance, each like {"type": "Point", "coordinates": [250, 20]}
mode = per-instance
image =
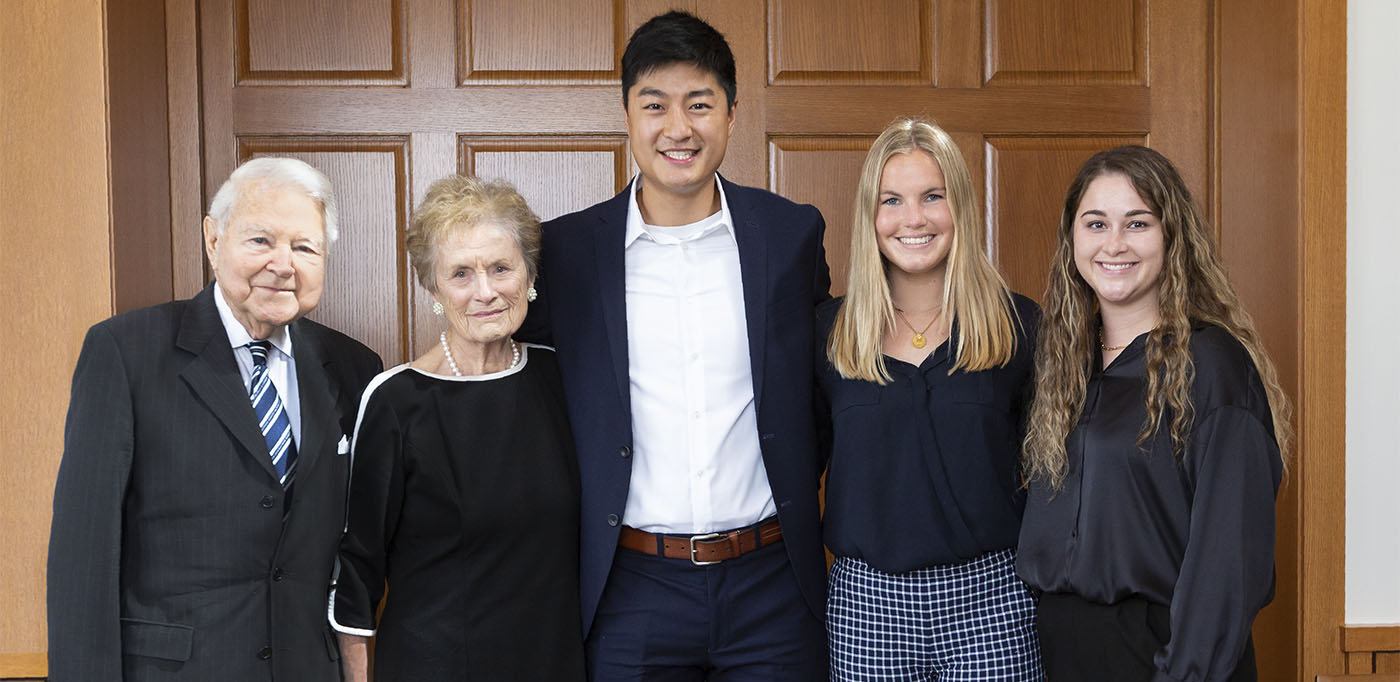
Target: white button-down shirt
{"type": "Point", "coordinates": [281, 365]}
{"type": "Point", "coordinates": [696, 464]}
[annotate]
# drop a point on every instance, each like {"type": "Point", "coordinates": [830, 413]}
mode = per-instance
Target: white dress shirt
{"type": "Point", "coordinates": [281, 365]}
{"type": "Point", "coordinates": [696, 464]}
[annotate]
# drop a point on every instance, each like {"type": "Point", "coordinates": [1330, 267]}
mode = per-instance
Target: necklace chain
{"type": "Point", "coordinates": [919, 340]}
{"type": "Point", "coordinates": [1111, 348]}
{"type": "Point", "coordinates": [452, 363]}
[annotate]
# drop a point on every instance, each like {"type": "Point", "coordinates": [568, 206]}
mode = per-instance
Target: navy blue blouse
{"type": "Point", "coordinates": [925, 470]}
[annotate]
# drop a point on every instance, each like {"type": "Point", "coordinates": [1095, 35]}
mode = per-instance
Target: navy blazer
{"type": "Point", "coordinates": [582, 311]}
{"type": "Point", "coordinates": [171, 557]}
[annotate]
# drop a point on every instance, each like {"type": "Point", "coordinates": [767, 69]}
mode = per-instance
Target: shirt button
{"type": "Point", "coordinates": [266, 501]}
{"type": "Point", "coordinates": [265, 653]}
{"type": "Point", "coordinates": [695, 414]}
{"type": "Point", "coordinates": [694, 357]}
{"type": "Point", "coordinates": [612, 519]}
{"type": "Point", "coordinates": [278, 574]}
{"type": "Point", "coordinates": [624, 451]}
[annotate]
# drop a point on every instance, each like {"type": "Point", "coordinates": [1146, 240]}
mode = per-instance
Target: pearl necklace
{"type": "Point", "coordinates": [447, 352]}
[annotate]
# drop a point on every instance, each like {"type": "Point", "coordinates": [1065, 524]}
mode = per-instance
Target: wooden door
{"type": "Point", "coordinates": [386, 96]}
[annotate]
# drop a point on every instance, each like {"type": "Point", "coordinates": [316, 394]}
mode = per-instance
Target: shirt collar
{"type": "Point", "coordinates": [636, 227]}
{"type": "Point", "coordinates": [238, 336]}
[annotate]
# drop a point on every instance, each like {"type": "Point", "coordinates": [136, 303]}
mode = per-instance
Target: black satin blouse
{"type": "Point", "coordinates": [1194, 533]}
{"type": "Point", "coordinates": [924, 470]}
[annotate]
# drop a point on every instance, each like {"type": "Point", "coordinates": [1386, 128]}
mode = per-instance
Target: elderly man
{"type": "Point", "coordinates": [202, 490]}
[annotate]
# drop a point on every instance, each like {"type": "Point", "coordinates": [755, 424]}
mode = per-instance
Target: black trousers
{"type": "Point", "coordinates": [1081, 641]}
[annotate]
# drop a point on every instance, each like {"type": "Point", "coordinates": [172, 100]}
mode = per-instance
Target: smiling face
{"type": "Point", "coordinates": [481, 279]}
{"type": "Point", "coordinates": [678, 125]}
{"type": "Point", "coordinates": [913, 221]}
{"type": "Point", "coordinates": [1119, 245]}
{"type": "Point", "coordinates": [270, 259]}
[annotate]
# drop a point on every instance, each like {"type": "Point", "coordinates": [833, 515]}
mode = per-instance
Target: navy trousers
{"type": "Point", "coordinates": [741, 620]}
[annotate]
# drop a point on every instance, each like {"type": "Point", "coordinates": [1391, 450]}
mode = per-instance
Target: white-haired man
{"type": "Point", "coordinates": [202, 489]}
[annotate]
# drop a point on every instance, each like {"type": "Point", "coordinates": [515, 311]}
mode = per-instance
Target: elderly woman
{"type": "Point", "coordinates": [1156, 441]}
{"type": "Point", "coordinates": [464, 487]}
{"type": "Point", "coordinates": [927, 365]}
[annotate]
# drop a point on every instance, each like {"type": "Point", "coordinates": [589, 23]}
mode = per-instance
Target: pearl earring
{"type": "Point", "coordinates": [437, 309]}
{"type": "Point", "coordinates": [531, 294]}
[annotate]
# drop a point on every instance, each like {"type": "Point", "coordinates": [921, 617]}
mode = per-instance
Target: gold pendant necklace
{"type": "Point", "coordinates": [919, 340]}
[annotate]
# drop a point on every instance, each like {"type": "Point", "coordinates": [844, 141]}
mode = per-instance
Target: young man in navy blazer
{"type": "Point", "coordinates": [682, 313]}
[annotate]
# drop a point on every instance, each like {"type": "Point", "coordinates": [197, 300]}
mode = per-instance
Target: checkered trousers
{"type": "Point", "coordinates": [952, 623]}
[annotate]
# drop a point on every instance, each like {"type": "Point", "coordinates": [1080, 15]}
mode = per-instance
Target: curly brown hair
{"type": "Point", "coordinates": [1193, 288]}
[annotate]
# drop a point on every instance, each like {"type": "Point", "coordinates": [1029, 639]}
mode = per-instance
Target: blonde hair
{"type": "Point", "coordinates": [461, 202]}
{"type": "Point", "coordinates": [1193, 288]}
{"type": "Point", "coordinates": [974, 294]}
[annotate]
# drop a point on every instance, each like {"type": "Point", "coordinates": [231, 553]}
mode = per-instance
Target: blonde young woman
{"type": "Point", "coordinates": [1155, 448]}
{"type": "Point", "coordinates": [927, 361]}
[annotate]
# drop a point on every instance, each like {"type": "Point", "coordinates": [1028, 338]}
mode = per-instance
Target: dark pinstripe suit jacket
{"type": "Point", "coordinates": [170, 556]}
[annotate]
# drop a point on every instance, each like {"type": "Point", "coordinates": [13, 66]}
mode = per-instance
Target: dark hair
{"type": "Point", "coordinates": [678, 37]}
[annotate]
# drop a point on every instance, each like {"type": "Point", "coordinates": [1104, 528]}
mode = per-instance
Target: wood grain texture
{"type": "Point", "coordinates": [1321, 464]}
{"type": "Point", "coordinates": [140, 154]}
{"type": "Point", "coordinates": [959, 43]}
{"type": "Point", "coordinates": [991, 111]}
{"type": "Point", "coordinates": [538, 41]}
{"type": "Point", "coordinates": [319, 42]}
{"type": "Point", "coordinates": [1388, 662]}
{"type": "Point", "coordinates": [1261, 243]}
{"type": "Point", "coordinates": [56, 223]}
{"type": "Point", "coordinates": [1026, 182]}
{"type": "Point", "coordinates": [23, 666]}
{"type": "Point", "coordinates": [364, 293]}
{"type": "Point", "coordinates": [182, 106]}
{"type": "Point", "coordinates": [835, 41]}
{"type": "Point", "coordinates": [823, 172]}
{"type": "Point", "coordinates": [1371, 638]}
{"type": "Point", "coordinates": [593, 168]}
{"type": "Point", "coordinates": [1068, 41]}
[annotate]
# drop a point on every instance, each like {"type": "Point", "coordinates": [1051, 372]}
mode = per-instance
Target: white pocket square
{"type": "Point", "coordinates": [343, 446]}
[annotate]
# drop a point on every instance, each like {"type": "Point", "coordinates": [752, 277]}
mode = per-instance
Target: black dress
{"type": "Point", "coordinates": [1193, 533]}
{"type": "Point", "coordinates": [464, 497]}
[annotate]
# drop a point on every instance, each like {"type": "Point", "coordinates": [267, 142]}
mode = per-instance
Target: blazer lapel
{"type": "Point", "coordinates": [317, 407]}
{"type": "Point", "coordinates": [612, 276]}
{"type": "Point", "coordinates": [213, 376]}
{"type": "Point", "coordinates": [753, 270]}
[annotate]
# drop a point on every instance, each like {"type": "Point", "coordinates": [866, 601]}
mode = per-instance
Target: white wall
{"type": "Point", "coordinates": [1373, 312]}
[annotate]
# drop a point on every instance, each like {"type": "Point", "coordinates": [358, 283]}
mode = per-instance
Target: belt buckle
{"type": "Point", "coordinates": [701, 538]}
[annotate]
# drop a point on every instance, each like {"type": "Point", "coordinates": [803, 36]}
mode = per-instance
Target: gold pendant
{"type": "Point", "coordinates": [919, 341]}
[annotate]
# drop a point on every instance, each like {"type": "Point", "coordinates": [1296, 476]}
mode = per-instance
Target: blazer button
{"type": "Point", "coordinates": [278, 574]}
{"type": "Point", "coordinates": [612, 519]}
{"type": "Point", "coordinates": [267, 502]}
{"type": "Point", "coordinates": [265, 653]}
{"type": "Point", "coordinates": [624, 451]}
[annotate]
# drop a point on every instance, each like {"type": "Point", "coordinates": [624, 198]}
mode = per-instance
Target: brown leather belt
{"type": "Point", "coordinates": [706, 548]}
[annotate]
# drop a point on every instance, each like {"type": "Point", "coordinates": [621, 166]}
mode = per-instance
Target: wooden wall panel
{"type": "Point", "coordinates": [321, 42]}
{"type": "Point", "coordinates": [1026, 183]}
{"type": "Point", "coordinates": [538, 41]}
{"type": "Point", "coordinates": [824, 172]}
{"type": "Point", "coordinates": [366, 277]}
{"type": "Point", "coordinates": [1100, 42]}
{"type": "Point", "coordinates": [593, 168]}
{"type": "Point", "coordinates": [58, 281]}
{"type": "Point", "coordinates": [829, 41]}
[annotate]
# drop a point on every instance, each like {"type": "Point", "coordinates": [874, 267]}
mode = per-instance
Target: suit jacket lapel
{"type": "Point", "coordinates": [612, 276]}
{"type": "Point", "coordinates": [314, 384]}
{"type": "Point", "coordinates": [213, 376]}
{"type": "Point", "coordinates": [753, 270]}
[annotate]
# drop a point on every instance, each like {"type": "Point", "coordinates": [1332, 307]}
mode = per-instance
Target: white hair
{"type": "Point", "coordinates": [276, 171]}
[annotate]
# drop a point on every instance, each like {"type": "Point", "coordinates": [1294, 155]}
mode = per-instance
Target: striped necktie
{"type": "Point", "coordinates": [272, 417]}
